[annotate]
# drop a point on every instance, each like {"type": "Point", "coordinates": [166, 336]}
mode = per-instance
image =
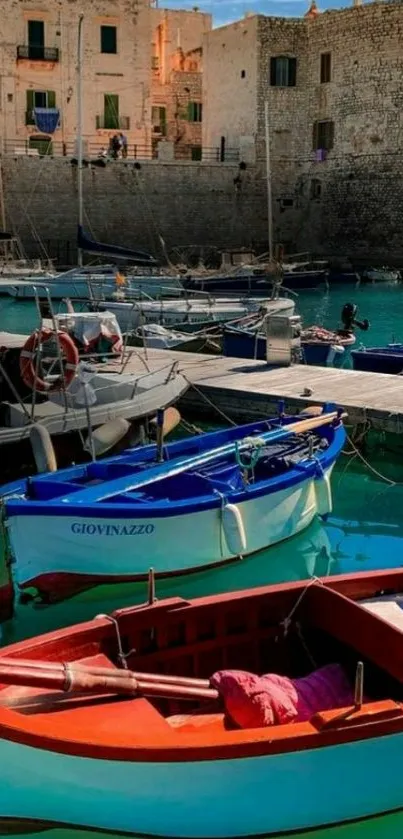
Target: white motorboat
{"type": "Point", "coordinates": [131, 314]}
{"type": "Point", "coordinates": [31, 381]}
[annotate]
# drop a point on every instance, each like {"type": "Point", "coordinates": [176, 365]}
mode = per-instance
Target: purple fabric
{"type": "Point", "coordinates": [258, 701]}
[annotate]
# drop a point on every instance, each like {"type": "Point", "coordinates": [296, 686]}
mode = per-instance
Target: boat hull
{"type": "Point", "coordinates": [379, 359]}
{"type": "Point", "coordinates": [68, 550]}
{"type": "Point", "coordinates": [209, 799]}
{"type": "Point", "coordinates": [304, 280]}
{"type": "Point", "coordinates": [96, 288]}
{"type": "Point", "coordinates": [132, 315]}
{"type": "Point", "coordinates": [238, 344]}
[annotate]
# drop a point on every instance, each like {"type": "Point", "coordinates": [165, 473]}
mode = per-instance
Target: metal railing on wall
{"type": "Point", "coordinates": [40, 145]}
{"type": "Point", "coordinates": [37, 52]}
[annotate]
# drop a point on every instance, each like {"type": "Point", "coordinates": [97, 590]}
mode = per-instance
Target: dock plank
{"type": "Point", "coordinates": [245, 389]}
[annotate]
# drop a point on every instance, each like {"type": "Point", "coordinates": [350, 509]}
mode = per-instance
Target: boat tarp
{"type": "Point", "coordinates": [86, 243]}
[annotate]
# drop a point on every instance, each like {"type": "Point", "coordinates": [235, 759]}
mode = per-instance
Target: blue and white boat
{"type": "Point", "coordinates": [213, 498]}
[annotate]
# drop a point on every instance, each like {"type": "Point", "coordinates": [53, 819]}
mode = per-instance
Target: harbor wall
{"type": "Point", "coordinates": [201, 206]}
{"type": "Point", "coordinates": [187, 204]}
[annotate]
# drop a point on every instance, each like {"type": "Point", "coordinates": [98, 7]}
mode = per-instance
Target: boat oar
{"type": "Point", "coordinates": [69, 679]}
{"type": "Point", "coordinates": [52, 666]}
{"type": "Point", "coordinates": [170, 469]}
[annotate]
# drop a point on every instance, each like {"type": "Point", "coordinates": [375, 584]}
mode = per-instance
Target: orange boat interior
{"type": "Point", "coordinates": [288, 629]}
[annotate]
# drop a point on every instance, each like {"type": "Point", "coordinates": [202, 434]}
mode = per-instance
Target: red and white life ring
{"type": "Point", "coordinates": [28, 361]}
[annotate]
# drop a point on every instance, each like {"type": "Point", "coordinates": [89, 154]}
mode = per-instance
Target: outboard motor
{"type": "Point", "coordinates": [349, 321]}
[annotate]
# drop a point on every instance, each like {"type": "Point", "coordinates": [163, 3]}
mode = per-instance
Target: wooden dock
{"type": "Point", "coordinates": [245, 390]}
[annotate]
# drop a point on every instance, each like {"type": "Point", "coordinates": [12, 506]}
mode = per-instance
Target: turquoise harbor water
{"type": "Point", "coordinates": [364, 532]}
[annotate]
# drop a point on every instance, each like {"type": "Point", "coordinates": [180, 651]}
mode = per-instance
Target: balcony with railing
{"type": "Point", "coordinates": [33, 52]}
{"type": "Point", "coordinates": [112, 122]}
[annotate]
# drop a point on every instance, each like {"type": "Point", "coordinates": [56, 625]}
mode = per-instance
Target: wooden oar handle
{"type": "Point", "coordinates": [49, 666]}
{"type": "Point", "coordinates": [69, 679]}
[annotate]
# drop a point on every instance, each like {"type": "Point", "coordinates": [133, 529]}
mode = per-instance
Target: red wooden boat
{"type": "Point", "coordinates": [129, 750]}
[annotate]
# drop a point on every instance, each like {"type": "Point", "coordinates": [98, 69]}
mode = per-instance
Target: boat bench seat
{"type": "Point", "coordinates": [46, 490]}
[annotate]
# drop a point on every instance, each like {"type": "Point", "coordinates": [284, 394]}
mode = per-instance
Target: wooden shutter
{"type": "Point", "coordinates": [330, 135]}
{"type": "Point", "coordinates": [51, 98]}
{"type": "Point", "coordinates": [190, 112]}
{"type": "Point", "coordinates": [111, 110]}
{"type": "Point", "coordinates": [36, 39]}
{"type": "Point", "coordinates": [292, 72]}
{"type": "Point", "coordinates": [325, 67]}
{"type": "Point", "coordinates": [36, 33]}
{"type": "Point", "coordinates": [29, 115]}
{"type": "Point", "coordinates": [273, 69]}
{"type": "Point", "coordinates": [163, 121]}
{"type": "Point", "coordinates": [315, 136]}
{"type": "Point", "coordinates": [108, 39]}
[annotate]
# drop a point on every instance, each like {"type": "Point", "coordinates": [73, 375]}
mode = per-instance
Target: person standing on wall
{"type": "Point", "coordinates": [115, 146]}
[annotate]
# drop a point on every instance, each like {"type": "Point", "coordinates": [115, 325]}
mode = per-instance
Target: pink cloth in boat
{"type": "Point", "coordinates": [256, 701]}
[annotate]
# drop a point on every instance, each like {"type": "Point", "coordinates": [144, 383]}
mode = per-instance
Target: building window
{"type": "Point", "coordinates": [323, 135]}
{"type": "Point", "coordinates": [195, 111]}
{"type": "Point", "coordinates": [108, 39]}
{"type": "Point", "coordinates": [325, 67]}
{"type": "Point", "coordinates": [283, 71]}
{"type": "Point", "coordinates": [155, 62]}
{"type": "Point", "coordinates": [38, 99]}
{"type": "Point", "coordinates": [36, 39]}
{"type": "Point", "coordinates": [243, 74]}
{"type": "Point", "coordinates": [196, 152]}
{"type": "Point", "coordinates": [315, 189]}
{"type": "Point", "coordinates": [111, 111]}
{"type": "Point", "coordinates": [159, 120]}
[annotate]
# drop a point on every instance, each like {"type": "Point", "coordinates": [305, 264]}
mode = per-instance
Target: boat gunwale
{"type": "Point", "coordinates": [169, 508]}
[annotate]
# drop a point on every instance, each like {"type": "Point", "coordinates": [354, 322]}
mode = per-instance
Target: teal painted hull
{"type": "Point", "coordinates": [228, 798]}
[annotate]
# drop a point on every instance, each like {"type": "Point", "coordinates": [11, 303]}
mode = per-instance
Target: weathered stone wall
{"type": "Point", "coordinates": [177, 73]}
{"type": "Point", "coordinates": [358, 211]}
{"type": "Point", "coordinates": [230, 83]}
{"type": "Point", "coordinates": [185, 87]}
{"type": "Point", "coordinates": [185, 203]}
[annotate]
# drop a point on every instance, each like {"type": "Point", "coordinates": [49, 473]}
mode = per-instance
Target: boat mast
{"type": "Point", "coordinates": [268, 180]}
{"type": "Point", "coordinates": [3, 211]}
{"type": "Point", "coordinates": [2, 205]}
{"type": "Point", "coordinates": [80, 129]}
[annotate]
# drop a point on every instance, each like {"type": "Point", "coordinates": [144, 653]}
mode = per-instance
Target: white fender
{"type": "Point", "coordinates": [323, 493]}
{"type": "Point", "coordinates": [42, 448]}
{"type": "Point", "coordinates": [234, 530]}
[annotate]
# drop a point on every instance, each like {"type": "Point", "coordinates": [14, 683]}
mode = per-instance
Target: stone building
{"type": "Point", "coordinates": [333, 83]}
{"type": "Point", "coordinates": [38, 54]}
{"type": "Point", "coordinates": [177, 109]}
